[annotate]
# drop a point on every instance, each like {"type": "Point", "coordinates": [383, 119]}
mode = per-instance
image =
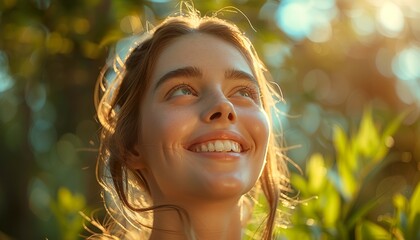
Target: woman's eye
{"type": "Point", "coordinates": [244, 93]}
{"type": "Point", "coordinates": [181, 90]}
{"type": "Point", "coordinates": [247, 92]}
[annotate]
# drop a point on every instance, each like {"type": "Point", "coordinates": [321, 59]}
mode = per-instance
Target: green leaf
{"type": "Point", "coordinates": [332, 209]}
{"type": "Point", "coordinates": [400, 202]}
{"type": "Point", "coordinates": [65, 199]}
{"type": "Point", "coordinates": [414, 214]}
{"type": "Point", "coordinates": [344, 148]}
{"type": "Point", "coordinates": [415, 203]}
{"type": "Point", "coordinates": [336, 180]}
{"type": "Point", "coordinates": [295, 232]}
{"type": "Point", "coordinates": [70, 203]}
{"type": "Point", "coordinates": [340, 141]}
{"type": "Point", "coordinates": [367, 139]}
{"type": "Point", "coordinates": [348, 180]}
{"type": "Point", "coordinates": [300, 184]}
{"type": "Point", "coordinates": [393, 126]}
{"type": "Point", "coordinates": [316, 172]}
{"type": "Point", "coordinates": [369, 230]}
{"type": "Point", "coordinates": [414, 228]}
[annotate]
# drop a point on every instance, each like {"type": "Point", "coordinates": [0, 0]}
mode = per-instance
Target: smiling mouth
{"type": "Point", "coordinates": [217, 146]}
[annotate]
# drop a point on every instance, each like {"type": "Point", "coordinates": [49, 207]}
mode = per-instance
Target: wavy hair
{"type": "Point", "coordinates": [126, 191]}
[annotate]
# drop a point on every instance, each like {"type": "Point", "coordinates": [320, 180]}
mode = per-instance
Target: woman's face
{"type": "Point", "coordinates": [204, 133]}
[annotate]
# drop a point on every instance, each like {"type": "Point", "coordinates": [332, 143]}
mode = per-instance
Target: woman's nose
{"type": "Point", "coordinates": [219, 108]}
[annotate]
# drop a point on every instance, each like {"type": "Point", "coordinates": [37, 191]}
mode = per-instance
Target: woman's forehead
{"type": "Point", "coordinates": [202, 51]}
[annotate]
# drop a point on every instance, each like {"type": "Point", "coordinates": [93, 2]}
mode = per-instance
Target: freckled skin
{"type": "Point", "coordinates": [177, 175]}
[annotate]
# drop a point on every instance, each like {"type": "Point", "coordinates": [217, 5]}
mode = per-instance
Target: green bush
{"type": "Point", "coordinates": [329, 194]}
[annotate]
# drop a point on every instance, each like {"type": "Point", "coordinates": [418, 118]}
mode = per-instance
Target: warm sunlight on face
{"type": "Point", "coordinates": [204, 132]}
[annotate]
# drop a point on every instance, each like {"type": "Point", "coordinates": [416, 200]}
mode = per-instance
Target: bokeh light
{"type": "Point", "coordinates": [42, 136]}
{"type": "Point", "coordinates": [81, 25]}
{"type": "Point", "coordinates": [390, 19]}
{"type": "Point", "coordinates": [293, 18]}
{"type": "Point", "coordinates": [311, 118]}
{"type": "Point", "coordinates": [317, 81]}
{"type": "Point", "coordinates": [39, 198]}
{"type": "Point", "coordinates": [56, 43]}
{"type": "Point", "coordinates": [306, 19]}
{"type": "Point", "coordinates": [6, 81]}
{"type": "Point", "coordinates": [66, 148]}
{"type": "Point", "coordinates": [276, 53]}
{"type": "Point", "coordinates": [131, 24]}
{"type": "Point", "coordinates": [36, 96]}
{"type": "Point", "coordinates": [362, 21]}
{"type": "Point", "coordinates": [405, 66]}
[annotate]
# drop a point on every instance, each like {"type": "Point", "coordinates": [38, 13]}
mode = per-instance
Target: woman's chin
{"type": "Point", "coordinates": [224, 187]}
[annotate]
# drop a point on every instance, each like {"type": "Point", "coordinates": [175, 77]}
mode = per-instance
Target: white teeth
{"type": "Point", "coordinates": [210, 146]}
{"type": "Point", "coordinates": [218, 146]}
{"type": "Point", "coordinates": [227, 145]}
{"type": "Point", "coordinates": [203, 148]}
{"type": "Point", "coordinates": [236, 147]}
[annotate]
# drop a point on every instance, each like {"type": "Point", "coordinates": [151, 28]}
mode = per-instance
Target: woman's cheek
{"type": "Point", "coordinates": [257, 122]}
{"type": "Point", "coordinates": [169, 129]}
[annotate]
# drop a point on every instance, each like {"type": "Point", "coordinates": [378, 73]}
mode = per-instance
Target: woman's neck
{"type": "Point", "coordinates": [221, 220]}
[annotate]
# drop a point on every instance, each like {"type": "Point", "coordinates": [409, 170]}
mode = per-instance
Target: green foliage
{"type": "Point", "coordinates": [66, 210]}
{"type": "Point", "coordinates": [331, 190]}
{"type": "Point", "coordinates": [405, 223]}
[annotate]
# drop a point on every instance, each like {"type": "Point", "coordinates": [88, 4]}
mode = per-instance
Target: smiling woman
{"type": "Point", "coordinates": [186, 141]}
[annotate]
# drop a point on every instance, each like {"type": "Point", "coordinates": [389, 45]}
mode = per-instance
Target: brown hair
{"type": "Point", "coordinates": [117, 103]}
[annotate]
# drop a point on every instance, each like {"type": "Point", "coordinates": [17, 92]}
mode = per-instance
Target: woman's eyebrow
{"type": "Point", "coordinates": [190, 72]}
{"type": "Point", "coordinates": [238, 74]}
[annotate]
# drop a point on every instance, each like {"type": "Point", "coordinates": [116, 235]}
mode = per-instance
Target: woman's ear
{"type": "Point", "coordinates": [134, 158]}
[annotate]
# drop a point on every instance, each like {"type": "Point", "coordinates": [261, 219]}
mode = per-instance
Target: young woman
{"type": "Point", "coordinates": [187, 141]}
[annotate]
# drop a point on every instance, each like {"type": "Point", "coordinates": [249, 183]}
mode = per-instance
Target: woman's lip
{"type": "Point", "coordinates": [219, 135]}
{"type": "Point", "coordinates": [222, 156]}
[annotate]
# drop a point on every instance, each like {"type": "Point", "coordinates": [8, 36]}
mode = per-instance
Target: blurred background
{"type": "Point", "coordinates": [331, 58]}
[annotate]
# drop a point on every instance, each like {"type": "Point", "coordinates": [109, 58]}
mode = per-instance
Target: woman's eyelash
{"type": "Point", "coordinates": [179, 87]}
{"type": "Point", "coordinates": [253, 92]}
